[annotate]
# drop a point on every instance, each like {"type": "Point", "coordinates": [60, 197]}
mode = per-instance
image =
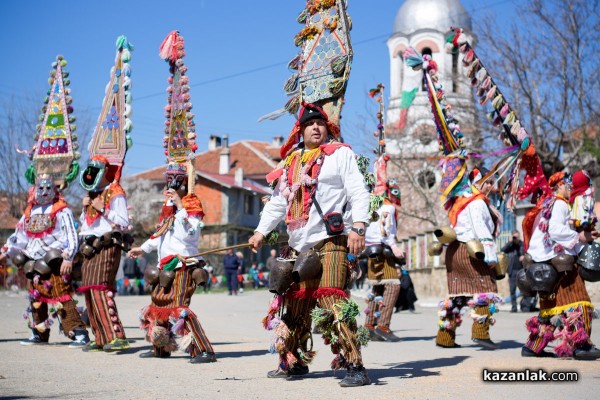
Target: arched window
{"type": "Point", "coordinates": [426, 50]}
{"type": "Point", "coordinates": [455, 72]}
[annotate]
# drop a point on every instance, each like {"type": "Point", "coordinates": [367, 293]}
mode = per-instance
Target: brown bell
{"type": "Point", "coordinates": [435, 249]}
{"type": "Point", "coordinates": [200, 276]}
{"type": "Point", "coordinates": [445, 234]}
{"type": "Point", "coordinates": [106, 240]}
{"type": "Point", "coordinates": [97, 244]}
{"type": "Point", "coordinates": [87, 251]}
{"type": "Point", "coordinates": [307, 266]}
{"type": "Point", "coordinates": [151, 275]}
{"type": "Point", "coordinates": [527, 260]}
{"type": "Point", "coordinates": [54, 258]}
{"type": "Point", "coordinates": [42, 268]}
{"type": "Point", "coordinates": [19, 259]}
{"type": "Point", "coordinates": [563, 262]}
{"type": "Point", "coordinates": [117, 237]}
{"type": "Point", "coordinates": [475, 249]}
{"type": "Point", "coordinates": [501, 266]}
{"type": "Point", "coordinates": [28, 268]}
{"type": "Point", "coordinates": [165, 278]}
{"type": "Point", "coordinates": [280, 277]}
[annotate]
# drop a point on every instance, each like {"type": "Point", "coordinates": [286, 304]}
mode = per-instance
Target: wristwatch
{"type": "Point", "coordinates": [360, 231]}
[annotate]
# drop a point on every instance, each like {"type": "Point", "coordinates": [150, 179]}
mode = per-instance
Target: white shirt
{"type": "Point", "coordinates": [62, 237]}
{"type": "Point", "coordinates": [182, 239]}
{"type": "Point", "coordinates": [475, 222]}
{"type": "Point", "coordinates": [339, 183]}
{"type": "Point", "coordinates": [559, 231]}
{"type": "Point", "coordinates": [384, 229]}
{"type": "Point", "coordinates": [115, 214]}
{"type": "Point", "coordinates": [583, 207]}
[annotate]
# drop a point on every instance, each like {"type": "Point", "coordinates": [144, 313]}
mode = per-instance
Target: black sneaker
{"type": "Point", "coordinates": [278, 373]}
{"type": "Point", "coordinates": [387, 336]}
{"type": "Point", "coordinates": [355, 376]}
{"type": "Point", "coordinates": [296, 371]}
{"type": "Point", "coordinates": [486, 343]}
{"type": "Point", "coordinates": [527, 352]}
{"type": "Point", "coordinates": [589, 353]}
{"type": "Point", "coordinates": [204, 358]}
{"type": "Point", "coordinates": [452, 346]}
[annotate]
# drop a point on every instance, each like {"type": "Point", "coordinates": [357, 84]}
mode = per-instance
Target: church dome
{"type": "Point", "coordinates": [439, 15]}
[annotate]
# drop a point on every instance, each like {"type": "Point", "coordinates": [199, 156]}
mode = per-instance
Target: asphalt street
{"type": "Point", "coordinates": [413, 368]}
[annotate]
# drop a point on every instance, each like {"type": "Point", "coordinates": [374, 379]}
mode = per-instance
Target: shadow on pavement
{"type": "Point", "coordinates": [413, 369]}
{"type": "Point", "coordinates": [414, 338]}
{"type": "Point", "coordinates": [236, 354]}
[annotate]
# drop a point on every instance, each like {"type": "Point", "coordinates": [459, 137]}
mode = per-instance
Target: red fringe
{"type": "Point", "coordinates": [327, 291]}
{"type": "Point", "coordinates": [302, 294]}
{"type": "Point", "coordinates": [53, 300]}
{"type": "Point", "coordinates": [163, 313]}
{"type": "Point", "coordinates": [84, 289]}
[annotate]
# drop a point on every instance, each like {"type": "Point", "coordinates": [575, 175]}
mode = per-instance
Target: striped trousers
{"type": "Point", "coordinates": [59, 291]}
{"type": "Point", "coordinates": [172, 303]}
{"type": "Point", "coordinates": [326, 292]}
{"type": "Point", "coordinates": [390, 292]}
{"type": "Point", "coordinates": [98, 283]}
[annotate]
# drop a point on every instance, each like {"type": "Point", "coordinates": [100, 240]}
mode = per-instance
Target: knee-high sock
{"type": "Point", "coordinates": [390, 295]}
{"type": "Point", "coordinates": [481, 329]}
{"type": "Point", "coordinates": [39, 315]}
{"type": "Point", "coordinates": [349, 344]}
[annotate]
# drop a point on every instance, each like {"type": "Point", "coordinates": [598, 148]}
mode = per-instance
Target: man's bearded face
{"type": "Point", "coordinates": [44, 192]}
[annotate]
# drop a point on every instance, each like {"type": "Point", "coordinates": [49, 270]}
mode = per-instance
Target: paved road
{"type": "Point", "coordinates": [411, 369]}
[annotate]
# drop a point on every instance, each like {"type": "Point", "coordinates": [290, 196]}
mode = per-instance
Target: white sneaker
{"type": "Point", "coordinates": [34, 339]}
{"type": "Point", "coordinates": [79, 342]}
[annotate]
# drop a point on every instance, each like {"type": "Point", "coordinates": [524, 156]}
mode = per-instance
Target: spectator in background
{"type": "Point", "coordinates": [515, 251]}
{"type": "Point", "coordinates": [210, 271]}
{"type": "Point", "coordinates": [232, 265]}
{"type": "Point", "coordinates": [407, 298]}
{"type": "Point", "coordinates": [253, 275]}
{"type": "Point", "coordinates": [241, 270]}
{"type": "Point", "coordinates": [272, 260]}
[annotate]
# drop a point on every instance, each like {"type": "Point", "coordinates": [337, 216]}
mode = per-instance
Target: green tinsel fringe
{"type": "Point", "coordinates": [272, 238]}
{"type": "Point", "coordinates": [30, 174]}
{"type": "Point", "coordinates": [363, 336]}
{"type": "Point", "coordinates": [73, 172]}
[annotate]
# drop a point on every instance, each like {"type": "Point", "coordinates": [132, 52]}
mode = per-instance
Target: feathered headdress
{"type": "Point", "coordinates": [111, 138]}
{"type": "Point", "coordinates": [180, 132]}
{"type": "Point", "coordinates": [455, 180]}
{"type": "Point", "coordinates": [323, 64]}
{"type": "Point", "coordinates": [54, 153]}
{"type": "Point", "coordinates": [522, 154]}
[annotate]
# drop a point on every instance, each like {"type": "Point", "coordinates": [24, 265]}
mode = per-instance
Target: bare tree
{"type": "Point", "coordinates": [547, 64]}
{"type": "Point", "coordinates": [17, 129]}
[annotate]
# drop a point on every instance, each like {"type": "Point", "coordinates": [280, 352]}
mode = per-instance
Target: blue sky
{"type": "Point", "coordinates": [237, 52]}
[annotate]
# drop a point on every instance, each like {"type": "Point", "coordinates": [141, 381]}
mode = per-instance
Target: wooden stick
{"type": "Point", "coordinates": [237, 246]}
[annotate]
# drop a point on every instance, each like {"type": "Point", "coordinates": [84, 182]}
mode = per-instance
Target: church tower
{"type": "Point", "coordinates": [411, 139]}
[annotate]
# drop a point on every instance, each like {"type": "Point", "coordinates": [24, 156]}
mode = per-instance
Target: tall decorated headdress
{"type": "Point", "coordinates": [111, 138]}
{"type": "Point", "coordinates": [53, 154]}
{"type": "Point", "coordinates": [455, 179]}
{"type": "Point", "coordinates": [322, 67]}
{"type": "Point", "coordinates": [180, 131]}
{"type": "Point", "coordinates": [519, 153]}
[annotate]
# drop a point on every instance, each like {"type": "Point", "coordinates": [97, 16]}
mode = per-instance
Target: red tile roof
{"type": "Point", "coordinates": [255, 158]}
